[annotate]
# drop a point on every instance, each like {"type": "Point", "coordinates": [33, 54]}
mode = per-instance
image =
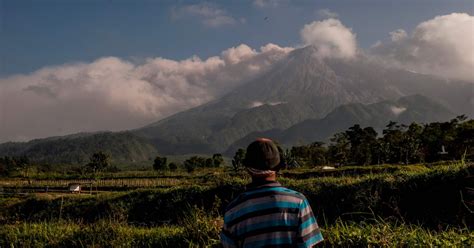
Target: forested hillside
{"type": "Point", "coordinates": [76, 149]}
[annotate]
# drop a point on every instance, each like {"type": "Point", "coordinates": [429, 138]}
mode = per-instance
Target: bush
{"type": "Point", "coordinates": [190, 167]}
{"type": "Point", "coordinates": [98, 162]}
{"type": "Point", "coordinates": [173, 166]}
{"type": "Point", "coordinates": [160, 163]}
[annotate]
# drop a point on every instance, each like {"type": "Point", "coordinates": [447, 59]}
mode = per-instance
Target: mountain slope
{"type": "Point", "coordinates": [76, 149]}
{"type": "Point", "coordinates": [299, 87]}
{"type": "Point", "coordinates": [415, 108]}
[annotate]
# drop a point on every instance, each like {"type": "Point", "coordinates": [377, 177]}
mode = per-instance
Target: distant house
{"type": "Point", "coordinates": [75, 188]}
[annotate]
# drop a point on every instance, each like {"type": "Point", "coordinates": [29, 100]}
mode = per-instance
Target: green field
{"type": "Point", "coordinates": [372, 206]}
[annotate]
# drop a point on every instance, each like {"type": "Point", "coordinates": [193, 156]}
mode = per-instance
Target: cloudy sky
{"type": "Point", "coordinates": [73, 66]}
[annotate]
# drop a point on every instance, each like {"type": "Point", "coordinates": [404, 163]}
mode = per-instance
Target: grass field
{"type": "Point", "coordinates": [386, 206]}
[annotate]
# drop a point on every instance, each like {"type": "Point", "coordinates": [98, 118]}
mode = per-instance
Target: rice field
{"type": "Point", "coordinates": [376, 206]}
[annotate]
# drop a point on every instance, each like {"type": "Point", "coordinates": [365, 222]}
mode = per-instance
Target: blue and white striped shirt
{"type": "Point", "coordinates": [270, 215]}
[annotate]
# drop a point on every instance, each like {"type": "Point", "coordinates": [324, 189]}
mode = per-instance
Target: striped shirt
{"type": "Point", "coordinates": [269, 215]}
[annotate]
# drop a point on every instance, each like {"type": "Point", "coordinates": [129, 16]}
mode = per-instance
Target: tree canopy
{"type": "Point", "coordinates": [397, 144]}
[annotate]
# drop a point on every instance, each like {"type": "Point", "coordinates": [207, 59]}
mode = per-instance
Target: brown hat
{"type": "Point", "coordinates": [262, 154]}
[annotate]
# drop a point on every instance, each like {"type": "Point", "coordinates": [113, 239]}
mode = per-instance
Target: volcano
{"type": "Point", "coordinates": [302, 87]}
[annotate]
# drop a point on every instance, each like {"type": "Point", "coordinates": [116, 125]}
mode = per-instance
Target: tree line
{"type": "Point", "coordinates": [190, 164]}
{"type": "Point", "coordinates": [102, 161]}
{"type": "Point", "coordinates": [98, 162]}
{"type": "Point", "coordinates": [397, 144]}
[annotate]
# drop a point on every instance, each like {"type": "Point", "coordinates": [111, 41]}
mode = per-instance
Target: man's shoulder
{"type": "Point", "coordinates": [253, 194]}
{"type": "Point", "coordinates": [295, 193]}
{"type": "Point", "coordinates": [234, 202]}
{"type": "Point", "coordinates": [276, 189]}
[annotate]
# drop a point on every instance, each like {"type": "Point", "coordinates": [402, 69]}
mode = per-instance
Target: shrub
{"type": "Point", "coordinates": [173, 166]}
{"type": "Point", "coordinates": [160, 163]}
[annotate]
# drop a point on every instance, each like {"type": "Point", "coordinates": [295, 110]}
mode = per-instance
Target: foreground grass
{"type": "Point", "coordinates": [411, 194]}
{"type": "Point", "coordinates": [384, 234]}
{"type": "Point", "coordinates": [101, 234]}
{"type": "Point", "coordinates": [205, 234]}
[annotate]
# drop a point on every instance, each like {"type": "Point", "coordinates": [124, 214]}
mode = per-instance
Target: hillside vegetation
{"type": "Point", "coordinates": [76, 149]}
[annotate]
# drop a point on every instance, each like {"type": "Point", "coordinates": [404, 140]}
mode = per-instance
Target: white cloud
{"type": "Point", "coordinates": [115, 94]}
{"type": "Point", "coordinates": [398, 35]}
{"type": "Point", "coordinates": [397, 110]}
{"type": "Point", "coordinates": [268, 3]}
{"type": "Point", "coordinates": [236, 54]}
{"type": "Point", "coordinates": [255, 104]}
{"type": "Point", "coordinates": [326, 13]}
{"type": "Point", "coordinates": [331, 38]}
{"type": "Point", "coordinates": [208, 14]}
{"type": "Point", "coordinates": [376, 44]}
{"type": "Point", "coordinates": [441, 46]}
{"type": "Point", "coordinates": [219, 21]}
{"type": "Point", "coordinates": [258, 104]}
{"type": "Point", "coordinates": [275, 103]}
{"type": "Point", "coordinates": [270, 47]}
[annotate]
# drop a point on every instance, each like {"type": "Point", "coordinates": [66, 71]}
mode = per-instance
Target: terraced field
{"type": "Point", "coordinates": [387, 206]}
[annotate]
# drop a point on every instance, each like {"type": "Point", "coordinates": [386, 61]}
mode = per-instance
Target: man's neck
{"type": "Point", "coordinates": [270, 178]}
{"type": "Point", "coordinates": [263, 181]}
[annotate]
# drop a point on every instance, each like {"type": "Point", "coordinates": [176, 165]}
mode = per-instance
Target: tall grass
{"type": "Point", "coordinates": [380, 233]}
{"type": "Point", "coordinates": [100, 234]}
{"type": "Point", "coordinates": [204, 233]}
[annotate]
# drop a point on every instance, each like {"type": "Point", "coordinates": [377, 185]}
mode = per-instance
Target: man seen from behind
{"type": "Point", "coordinates": [268, 214]}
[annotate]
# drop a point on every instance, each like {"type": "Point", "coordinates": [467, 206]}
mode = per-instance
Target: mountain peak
{"type": "Point", "coordinates": [311, 87]}
{"type": "Point", "coordinates": [309, 51]}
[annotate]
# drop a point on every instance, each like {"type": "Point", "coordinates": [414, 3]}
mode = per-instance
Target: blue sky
{"type": "Point", "coordinates": [34, 34]}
